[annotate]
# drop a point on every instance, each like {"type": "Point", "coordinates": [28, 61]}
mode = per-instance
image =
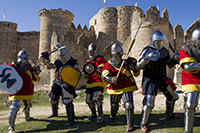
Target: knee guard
{"type": "Point", "coordinates": [129, 106]}
{"type": "Point", "coordinates": [191, 101]}
{"type": "Point", "coordinates": [98, 98]}
{"type": "Point", "coordinates": [14, 108]}
{"type": "Point", "coordinates": [128, 100]}
{"type": "Point", "coordinates": [89, 101]}
{"type": "Point", "coordinates": [67, 101]}
{"type": "Point", "coordinates": [147, 108]}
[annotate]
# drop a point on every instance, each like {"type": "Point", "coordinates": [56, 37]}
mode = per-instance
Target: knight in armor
{"type": "Point", "coordinates": [190, 64]}
{"type": "Point", "coordinates": [29, 75]}
{"type": "Point", "coordinates": [59, 87]}
{"type": "Point", "coordinates": [122, 86]}
{"type": "Point", "coordinates": [153, 60]}
{"type": "Point", "coordinates": [95, 86]}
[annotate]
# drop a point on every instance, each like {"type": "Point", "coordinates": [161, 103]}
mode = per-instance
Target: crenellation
{"type": "Point", "coordinates": [165, 15]}
{"type": "Point", "coordinates": [10, 25]}
{"type": "Point", "coordinates": [85, 27]}
{"type": "Point", "coordinates": [73, 26]}
{"type": "Point", "coordinates": [79, 26]}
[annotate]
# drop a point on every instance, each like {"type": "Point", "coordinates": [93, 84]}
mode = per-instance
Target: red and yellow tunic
{"type": "Point", "coordinates": [190, 80]}
{"type": "Point", "coordinates": [95, 80]}
{"type": "Point", "coordinates": [127, 81]}
{"type": "Point", "coordinates": [27, 90]}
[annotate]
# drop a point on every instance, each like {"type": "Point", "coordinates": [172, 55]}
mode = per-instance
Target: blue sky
{"type": "Point", "coordinates": [25, 12]}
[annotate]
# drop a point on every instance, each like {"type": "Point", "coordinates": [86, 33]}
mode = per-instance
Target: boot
{"type": "Point", "coordinates": [93, 116]}
{"type": "Point", "coordinates": [129, 128]}
{"type": "Point", "coordinates": [172, 116]}
{"type": "Point", "coordinates": [54, 108]}
{"type": "Point", "coordinates": [70, 114]}
{"type": "Point", "coordinates": [144, 128]}
{"type": "Point", "coordinates": [112, 117]}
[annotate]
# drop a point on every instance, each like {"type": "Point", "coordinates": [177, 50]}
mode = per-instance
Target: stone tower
{"type": "Point", "coordinates": [8, 39]}
{"type": "Point", "coordinates": [52, 21]}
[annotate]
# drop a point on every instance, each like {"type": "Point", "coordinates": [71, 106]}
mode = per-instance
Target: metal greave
{"type": "Point", "coordinates": [54, 108]}
{"type": "Point", "coordinates": [100, 110]}
{"type": "Point", "coordinates": [70, 111]}
{"type": "Point", "coordinates": [191, 102]}
{"type": "Point", "coordinates": [130, 116]}
{"type": "Point", "coordinates": [14, 108]}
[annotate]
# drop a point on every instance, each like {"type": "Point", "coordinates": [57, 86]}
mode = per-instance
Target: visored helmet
{"type": "Point", "coordinates": [157, 39]}
{"type": "Point", "coordinates": [117, 52]}
{"type": "Point", "coordinates": [92, 50]}
{"type": "Point", "coordinates": [22, 57]}
{"type": "Point", "coordinates": [196, 37]}
{"type": "Point", "coordinates": [64, 54]}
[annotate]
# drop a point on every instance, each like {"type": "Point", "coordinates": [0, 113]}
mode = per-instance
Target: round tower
{"type": "Point", "coordinates": [124, 22]}
{"type": "Point", "coordinates": [151, 21]}
{"type": "Point", "coordinates": [53, 20]}
{"type": "Point", "coordinates": [8, 42]}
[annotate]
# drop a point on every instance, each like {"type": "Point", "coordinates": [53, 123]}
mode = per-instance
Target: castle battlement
{"type": "Point", "coordinates": [56, 12]}
{"type": "Point", "coordinates": [10, 25]}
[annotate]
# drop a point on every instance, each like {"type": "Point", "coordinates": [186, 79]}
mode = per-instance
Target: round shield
{"type": "Point", "coordinates": [152, 55]}
{"type": "Point", "coordinates": [89, 68]}
{"type": "Point", "coordinates": [10, 81]}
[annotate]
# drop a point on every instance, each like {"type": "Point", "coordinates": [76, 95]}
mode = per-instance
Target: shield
{"type": "Point", "coordinates": [70, 75]}
{"type": "Point", "coordinates": [10, 81]}
{"type": "Point", "coordinates": [152, 55]}
{"type": "Point", "coordinates": [89, 68]}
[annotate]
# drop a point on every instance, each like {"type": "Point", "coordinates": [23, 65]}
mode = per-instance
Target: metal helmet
{"type": "Point", "coordinates": [196, 37]}
{"type": "Point", "coordinates": [157, 39]}
{"type": "Point", "coordinates": [22, 57]}
{"type": "Point", "coordinates": [64, 54]}
{"type": "Point", "coordinates": [92, 50]}
{"type": "Point", "coordinates": [117, 52]}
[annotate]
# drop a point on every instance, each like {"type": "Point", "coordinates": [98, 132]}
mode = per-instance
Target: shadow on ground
{"type": "Point", "coordinates": [156, 121]}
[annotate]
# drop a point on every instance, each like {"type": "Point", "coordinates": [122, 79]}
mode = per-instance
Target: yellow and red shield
{"type": "Point", "coordinates": [70, 75]}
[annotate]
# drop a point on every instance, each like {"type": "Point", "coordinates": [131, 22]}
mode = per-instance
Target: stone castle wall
{"type": "Point", "coordinates": [110, 24]}
{"type": "Point", "coordinates": [8, 45]}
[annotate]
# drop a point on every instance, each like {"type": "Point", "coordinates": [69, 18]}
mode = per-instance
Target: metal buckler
{"type": "Point", "coordinates": [152, 55]}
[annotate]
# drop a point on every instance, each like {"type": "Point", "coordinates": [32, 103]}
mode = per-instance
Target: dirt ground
{"type": "Point", "coordinates": [37, 111]}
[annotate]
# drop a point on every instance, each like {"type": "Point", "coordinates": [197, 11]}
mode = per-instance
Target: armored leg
{"type": "Point", "coordinates": [54, 96]}
{"type": "Point", "coordinates": [98, 100]}
{"type": "Point", "coordinates": [54, 108]}
{"type": "Point", "coordinates": [114, 102]}
{"type": "Point", "coordinates": [129, 106]}
{"type": "Point", "coordinates": [26, 110]}
{"type": "Point", "coordinates": [191, 101]}
{"type": "Point", "coordinates": [70, 113]}
{"type": "Point", "coordinates": [90, 102]}
{"type": "Point", "coordinates": [14, 108]}
{"type": "Point", "coordinates": [148, 106]}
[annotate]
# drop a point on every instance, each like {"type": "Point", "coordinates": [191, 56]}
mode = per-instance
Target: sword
{"type": "Point", "coordinates": [129, 49]}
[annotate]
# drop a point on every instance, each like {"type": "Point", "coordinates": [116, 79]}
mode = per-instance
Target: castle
{"type": "Point", "coordinates": [110, 24]}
